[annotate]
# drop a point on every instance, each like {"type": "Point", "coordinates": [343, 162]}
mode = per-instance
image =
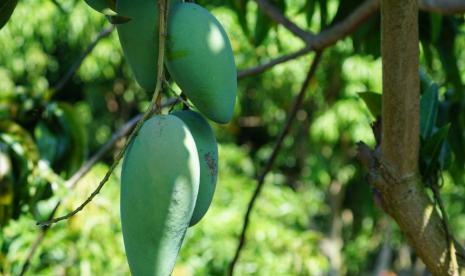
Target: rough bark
{"type": "Point", "coordinates": [394, 169]}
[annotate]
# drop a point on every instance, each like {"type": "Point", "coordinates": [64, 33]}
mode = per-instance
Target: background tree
{"type": "Point", "coordinates": [67, 100]}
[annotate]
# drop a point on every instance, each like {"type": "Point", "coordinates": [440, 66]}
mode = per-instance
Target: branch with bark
{"type": "Point", "coordinates": [443, 6]}
{"type": "Point", "coordinates": [393, 166]}
{"type": "Point", "coordinates": [322, 40]}
{"type": "Point", "coordinates": [277, 16]}
{"type": "Point", "coordinates": [339, 30]}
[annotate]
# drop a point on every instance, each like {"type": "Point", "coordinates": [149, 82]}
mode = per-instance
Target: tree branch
{"type": "Point", "coordinates": [265, 66]}
{"type": "Point", "coordinates": [261, 178]}
{"type": "Point", "coordinates": [394, 169]}
{"type": "Point", "coordinates": [72, 70]}
{"type": "Point", "coordinates": [324, 39]}
{"type": "Point", "coordinates": [443, 6]}
{"type": "Point", "coordinates": [320, 41]}
{"type": "Point", "coordinates": [347, 26]}
{"type": "Point", "coordinates": [276, 15]}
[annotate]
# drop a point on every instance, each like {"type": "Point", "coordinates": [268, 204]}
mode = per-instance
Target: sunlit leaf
{"type": "Point", "coordinates": [24, 156]}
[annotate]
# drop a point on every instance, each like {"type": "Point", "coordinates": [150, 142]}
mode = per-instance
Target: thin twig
{"type": "Point", "coordinates": [71, 183]}
{"type": "Point", "coordinates": [279, 141]}
{"type": "Point", "coordinates": [72, 70]}
{"type": "Point", "coordinates": [161, 55]}
{"type": "Point", "coordinates": [445, 221]}
{"type": "Point", "coordinates": [263, 67]}
{"type": "Point", "coordinates": [37, 242]}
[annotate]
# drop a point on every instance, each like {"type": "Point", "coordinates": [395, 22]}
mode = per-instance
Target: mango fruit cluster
{"type": "Point", "coordinates": [170, 168]}
{"type": "Point", "coordinates": [168, 179]}
{"type": "Point", "coordinates": [199, 57]}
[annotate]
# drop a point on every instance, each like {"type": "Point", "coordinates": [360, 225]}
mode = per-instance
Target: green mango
{"type": "Point", "coordinates": [200, 60]}
{"type": "Point", "coordinates": [159, 186]}
{"type": "Point", "coordinates": [207, 149]}
{"type": "Point", "coordinates": [139, 38]}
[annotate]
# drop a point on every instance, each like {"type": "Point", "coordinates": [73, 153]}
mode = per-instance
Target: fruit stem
{"type": "Point", "coordinates": [162, 22]}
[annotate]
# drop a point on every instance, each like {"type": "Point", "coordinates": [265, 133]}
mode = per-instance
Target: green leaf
{"type": "Point", "coordinates": [309, 11]}
{"type": "Point", "coordinates": [47, 142]}
{"type": "Point", "coordinates": [427, 53]}
{"type": "Point", "coordinates": [76, 131]}
{"type": "Point", "coordinates": [373, 102]}
{"type": "Point", "coordinates": [323, 14]}
{"type": "Point", "coordinates": [240, 7]}
{"type": "Point", "coordinates": [6, 10]}
{"type": "Point", "coordinates": [428, 110]}
{"type": "Point", "coordinates": [445, 156]}
{"type": "Point", "coordinates": [264, 23]}
{"type": "Point", "coordinates": [436, 22]}
{"type": "Point", "coordinates": [69, 135]}
{"type": "Point", "coordinates": [24, 157]}
{"type": "Point", "coordinates": [432, 148]}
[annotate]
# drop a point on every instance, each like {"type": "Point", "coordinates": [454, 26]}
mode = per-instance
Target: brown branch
{"type": "Point", "coordinates": [279, 141]}
{"type": "Point", "coordinates": [394, 166]}
{"type": "Point", "coordinates": [324, 39]}
{"type": "Point", "coordinates": [443, 6]}
{"type": "Point", "coordinates": [276, 15]}
{"type": "Point", "coordinates": [347, 26]}
{"type": "Point", "coordinates": [72, 70]}
{"type": "Point", "coordinates": [263, 67]}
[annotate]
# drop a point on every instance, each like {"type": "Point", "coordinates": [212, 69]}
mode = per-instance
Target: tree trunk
{"type": "Point", "coordinates": [394, 165]}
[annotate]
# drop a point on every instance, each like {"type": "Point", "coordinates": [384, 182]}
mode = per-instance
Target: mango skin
{"type": "Point", "coordinates": [159, 186]}
{"type": "Point", "coordinates": [207, 149]}
{"type": "Point", "coordinates": [200, 60]}
{"type": "Point", "coordinates": [139, 38]}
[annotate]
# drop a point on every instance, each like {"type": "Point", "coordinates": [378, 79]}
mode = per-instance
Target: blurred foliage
{"type": "Point", "coordinates": [316, 214]}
